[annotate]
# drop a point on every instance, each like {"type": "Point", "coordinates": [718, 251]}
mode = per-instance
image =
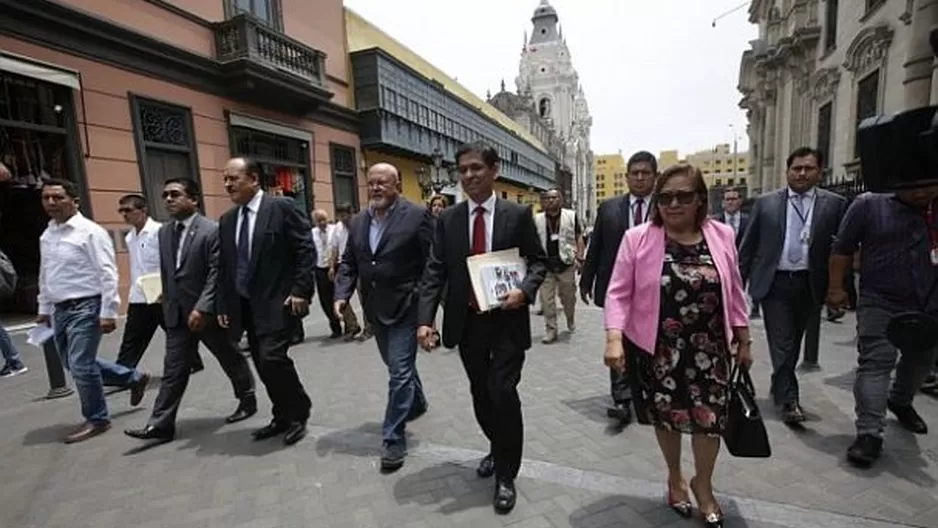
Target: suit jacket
{"type": "Point", "coordinates": [612, 220]}
{"type": "Point", "coordinates": [743, 222]}
{"type": "Point", "coordinates": [635, 287]}
{"type": "Point", "coordinates": [390, 276]}
{"type": "Point", "coordinates": [762, 243]}
{"type": "Point", "coordinates": [194, 285]}
{"type": "Point", "coordinates": [282, 261]}
{"type": "Point", "coordinates": [513, 226]}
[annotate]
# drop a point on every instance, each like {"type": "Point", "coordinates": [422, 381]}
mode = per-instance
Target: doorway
{"type": "Point", "coordinates": [37, 143]}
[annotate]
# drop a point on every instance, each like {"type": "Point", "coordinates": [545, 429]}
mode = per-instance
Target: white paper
{"type": "Point", "coordinates": [38, 335]}
{"type": "Point", "coordinates": [151, 286]}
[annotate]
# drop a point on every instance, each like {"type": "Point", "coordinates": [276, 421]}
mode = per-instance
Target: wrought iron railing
{"type": "Point", "coordinates": [246, 37]}
{"type": "Point", "coordinates": [849, 184]}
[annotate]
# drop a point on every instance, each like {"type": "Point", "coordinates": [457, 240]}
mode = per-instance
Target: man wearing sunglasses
{"type": "Point", "coordinates": [613, 218]}
{"type": "Point", "coordinates": [144, 251]}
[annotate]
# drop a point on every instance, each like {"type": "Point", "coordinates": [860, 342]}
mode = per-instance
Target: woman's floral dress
{"type": "Point", "coordinates": [684, 384]}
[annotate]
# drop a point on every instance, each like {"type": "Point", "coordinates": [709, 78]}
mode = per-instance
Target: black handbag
{"type": "Point", "coordinates": [745, 435]}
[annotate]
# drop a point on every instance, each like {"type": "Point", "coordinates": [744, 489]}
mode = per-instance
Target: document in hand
{"type": "Point", "coordinates": [494, 274]}
{"type": "Point", "coordinates": [152, 287]}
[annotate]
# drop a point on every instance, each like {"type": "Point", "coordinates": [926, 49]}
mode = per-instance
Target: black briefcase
{"type": "Point", "coordinates": [745, 435]}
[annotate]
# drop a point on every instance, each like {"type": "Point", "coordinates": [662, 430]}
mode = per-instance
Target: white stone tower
{"type": "Point", "coordinates": [547, 75]}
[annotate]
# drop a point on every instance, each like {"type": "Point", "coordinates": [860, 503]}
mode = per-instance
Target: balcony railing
{"type": "Point", "coordinates": [245, 37]}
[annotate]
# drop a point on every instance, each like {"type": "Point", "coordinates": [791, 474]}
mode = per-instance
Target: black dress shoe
{"type": "Point", "coordinates": [246, 409]}
{"type": "Point", "coordinates": [151, 433]}
{"type": "Point", "coordinates": [392, 456]}
{"type": "Point", "coordinates": [198, 367]}
{"type": "Point", "coordinates": [486, 467]}
{"type": "Point", "coordinates": [270, 430]}
{"type": "Point", "coordinates": [621, 412]}
{"type": "Point", "coordinates": [908, 418]}
{"type": "Point", "coordinates": [505, 496]}
{"type": "Point", "coordinates": [138, 389]}
{"type": "Point", "coordinates": [865, 450]}
{"type": "Point", "coordinates": [295, 432]}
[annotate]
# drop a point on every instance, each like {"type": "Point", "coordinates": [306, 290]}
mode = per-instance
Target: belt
{"type": "Point", "coordinates": [71, 303]}
{"type": "Point", "coordinates": [793, 274]}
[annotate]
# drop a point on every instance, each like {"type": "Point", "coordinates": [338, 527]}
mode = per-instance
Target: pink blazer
{"type": "Point", "coordinates": [634, 297]}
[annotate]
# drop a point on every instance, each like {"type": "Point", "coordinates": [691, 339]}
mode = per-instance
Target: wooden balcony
{"type": "Point", "coordinates": [262, 65]}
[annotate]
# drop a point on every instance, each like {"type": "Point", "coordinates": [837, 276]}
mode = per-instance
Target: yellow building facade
{"type": "Point", "coordinates": [362, 35]}
{"type": "Point", "coordinates": [611, 176]}
{"type": "Point", "coordinates": [721, 167]}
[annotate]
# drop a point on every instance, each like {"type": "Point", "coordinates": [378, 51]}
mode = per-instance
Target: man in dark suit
{"type": "Point", "coordinates": [387, 249]}
{"type": "Point", "coordinates": [492, 345]}
{"type": "Point", "coordinates": [263, 300]}
{"type": "Point", "coordinates": [613, 218]}
{"type": "Point", "coordinates": [784, 258]}
{"type": "Point", "coordinates": [188, 249]}
{"type": "Point", "coordinates": [731, 214]}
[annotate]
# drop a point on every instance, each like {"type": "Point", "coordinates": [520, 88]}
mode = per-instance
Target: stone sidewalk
{"type": "Point", "coordinates": [578, 471]}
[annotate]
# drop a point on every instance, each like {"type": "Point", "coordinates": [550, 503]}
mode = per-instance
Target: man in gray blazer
{"type": "Point", "coordinates": [784, 257]}
{"type": "Point", "coordinates": [189, 268]}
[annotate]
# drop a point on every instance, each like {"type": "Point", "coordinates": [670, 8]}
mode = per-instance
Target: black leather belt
{"type": "Point", "coordinates": [71, 303]}
{"type": "Point", "coordinates": [797, 274]}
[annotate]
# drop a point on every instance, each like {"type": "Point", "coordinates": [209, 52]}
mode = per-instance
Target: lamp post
{"type": "Point", "coordinates": [436, 177]}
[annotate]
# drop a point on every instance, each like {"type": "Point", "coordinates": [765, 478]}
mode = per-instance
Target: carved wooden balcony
{"type": "Point", "coordinates": [263, 65]}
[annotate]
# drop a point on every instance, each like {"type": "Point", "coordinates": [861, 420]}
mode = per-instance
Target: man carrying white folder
{"type": "Point", "coordinates": [492, 344]}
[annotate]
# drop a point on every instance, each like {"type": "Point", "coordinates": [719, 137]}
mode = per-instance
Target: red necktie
{"type": "Point", "coordinates": [478, 247]}
{"type": "Point", "coordinates": [639, 214]}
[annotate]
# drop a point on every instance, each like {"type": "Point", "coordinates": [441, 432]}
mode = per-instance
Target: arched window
{"type": "Point", "coordinates": [543, 108]}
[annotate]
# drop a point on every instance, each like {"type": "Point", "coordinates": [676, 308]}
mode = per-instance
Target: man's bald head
{"type": "Point", "coordinates": [384, 186]}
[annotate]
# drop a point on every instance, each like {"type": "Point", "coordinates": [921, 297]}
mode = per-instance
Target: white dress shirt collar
{"type": "Point", "coordinates": [488, 204]}
{"type": "Point", "coordinates": [186, 222]}
{"type": "Point", "coordinates": [255, 204]}
{"type": "Point", "coordinates": [809, 194]}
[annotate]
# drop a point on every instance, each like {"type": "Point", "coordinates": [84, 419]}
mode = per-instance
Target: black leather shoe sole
{"type": "Point", "coordinates": [151, 434]}
{"type": "Point", "coordinates": [294, 434]}
{"type": "Point", "coordinates": [908, 418]}
{"type": "Point", "coordinates": [269, 431]}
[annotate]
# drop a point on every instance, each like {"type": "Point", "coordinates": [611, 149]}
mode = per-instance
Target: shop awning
{"type": "Point", "coordinates": [39, 70]}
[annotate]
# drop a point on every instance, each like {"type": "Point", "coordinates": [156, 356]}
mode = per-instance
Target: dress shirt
{"type": "Point", "coordinates": [339, 240]}
{"type": "Point", "coordinates": [253, 207]}
{"type": "Point", "coordinates": [322, 239]}
{"type": "Point", "coordinates": [488, 216]}
{"type": "Point", "coordinates": [144, 249]}
{"type": "Point", "coordinates": [732, 220]}
{"type": "Point", "coordinates": [76, 260]}
{"type": "Point", "coordinates": [378, 225]}
{"type": "Point", "coordinates": [793, 221]}
{"type": "Point", "coordinates": [633, 203]}
{"type": "Point", "coordinates": [186, 226]}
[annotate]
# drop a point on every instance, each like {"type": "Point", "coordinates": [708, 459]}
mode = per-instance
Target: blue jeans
{"type": "Point", "coordinates": [77, 335]}
{"type": "Point", "coordinates": [114, 374]}
{"type": "Point", "coordinates": [398, 347]}
{"type": "Point", "coordinates": [10, 353]}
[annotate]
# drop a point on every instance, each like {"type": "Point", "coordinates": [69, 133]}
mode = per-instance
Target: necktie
{"type": "Point", "coordinates": [177, 241]}
{"type": "Point", "coordinates": [478, 246]}
{"type": "Point", "coordinates": [796, 226]}
{"type": "Point", "coordinates": [734, 223]}
{"type": "Point", "coordinates": [639, 214]}
{"type": "Point", "coordinates": [244, 253]}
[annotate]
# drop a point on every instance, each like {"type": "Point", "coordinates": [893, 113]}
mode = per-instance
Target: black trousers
{"type": "Point", "coordinates": [142, 322]}
{"type": "Point", "coordinates": [278, 373]}
{"type": "Point", "coordinates": [182, 349]}
{"type": "Point", "coordinates": [493, 364]}
{"type": "Point", "coordinates": [789, 310]}
{"type": "Point", "coordinates": [326, 289]}
{"type": "Point", "coordinates": [620, 387]}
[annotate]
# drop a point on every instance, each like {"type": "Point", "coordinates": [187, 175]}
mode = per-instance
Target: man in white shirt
{"type": "Point", "coordinates": [78, 296]}
{"type": "Point", "coordinates": [343, 213]}
{"type": "Point", "coordinates": [143, 249]}
{"type": "Point", "coordinates": [322, 239]}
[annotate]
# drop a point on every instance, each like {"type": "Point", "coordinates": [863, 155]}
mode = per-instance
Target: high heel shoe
{"type": "Point", "coordinates": [681, 507]}
{"type": "Point", "coordinates": [712, 519]}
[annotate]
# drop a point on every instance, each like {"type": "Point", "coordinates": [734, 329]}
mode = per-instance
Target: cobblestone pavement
{"type": "Point", "coordinates": [578, 471]}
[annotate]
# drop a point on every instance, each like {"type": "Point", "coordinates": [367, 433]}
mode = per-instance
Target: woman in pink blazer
{"type": "Point", "coordinates": [676, 306]}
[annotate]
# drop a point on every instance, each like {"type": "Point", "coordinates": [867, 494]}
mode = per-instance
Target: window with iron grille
{"type": "Point", "coordinates": [830, 25]}
{"type": "Point", "coordinates": [344, 175]}
{"type": "Point", "coordinates": [166, 148]}
{"type": "Point", "coordinates": [824, 129]}
{"type": "Point", "coordinates": [867, 104]}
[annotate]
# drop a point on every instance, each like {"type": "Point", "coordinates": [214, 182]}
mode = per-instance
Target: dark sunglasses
{"type": "Point", "coordinates": [682, 197]}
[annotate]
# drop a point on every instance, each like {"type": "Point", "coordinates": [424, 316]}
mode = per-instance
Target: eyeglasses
{"type": "Point", "coordinates": [124, 210]}
{"type": "Point", "coordinates": [682, 197]}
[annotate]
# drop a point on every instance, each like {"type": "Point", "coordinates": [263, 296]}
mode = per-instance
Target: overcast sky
{"type": "Point", "coordinates": [655, 73]}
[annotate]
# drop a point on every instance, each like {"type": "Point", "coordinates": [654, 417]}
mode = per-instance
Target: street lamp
{"type": "Point", "coordinates": [440, 178]}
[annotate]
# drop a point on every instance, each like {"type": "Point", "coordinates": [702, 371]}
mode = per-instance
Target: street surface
{"type": "Point", "coordinates": [577, 472]}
